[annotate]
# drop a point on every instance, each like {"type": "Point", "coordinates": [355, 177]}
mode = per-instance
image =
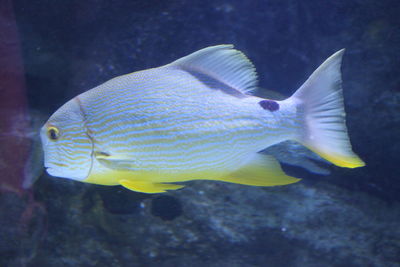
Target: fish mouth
{"type": "Point", "coordinates": [52, 169]}
{"type": "Point", "coordinates": [49, 170]}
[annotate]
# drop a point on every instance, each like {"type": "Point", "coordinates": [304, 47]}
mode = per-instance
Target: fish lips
{"type": "Point", "coordinates": [55, 171]}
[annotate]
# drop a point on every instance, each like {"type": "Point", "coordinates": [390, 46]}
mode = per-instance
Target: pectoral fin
{"type": "Point", "coordinates": [148, 187]}
{"type": "Point", "coordinates": [115, 162]}
{"type": "Point", "coordinates": [263, 170]}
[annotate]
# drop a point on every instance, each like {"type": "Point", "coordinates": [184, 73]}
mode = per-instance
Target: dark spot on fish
{"type": "Point", "coordinates": [215, 84]}
{"type": "Point", "coordinates": [270, 105]}
{"type": "Point", "coordinates": [166, 207]}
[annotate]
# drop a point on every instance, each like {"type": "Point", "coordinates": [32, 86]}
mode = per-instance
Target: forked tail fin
{"type": "Point", "coordinates": [320, 108]}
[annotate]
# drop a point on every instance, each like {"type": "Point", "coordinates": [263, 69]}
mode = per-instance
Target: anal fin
{"type": "Point", "coordinates": [148, 187]}
{"type": "Point", "coordinates": [263, 170]}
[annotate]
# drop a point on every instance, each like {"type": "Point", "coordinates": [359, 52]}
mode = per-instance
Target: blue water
{"type": "Point", "coordinates": [347, 218]}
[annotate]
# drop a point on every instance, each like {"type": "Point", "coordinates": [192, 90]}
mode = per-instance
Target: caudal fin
{"type": "Point", "coordinates": [320, 108]}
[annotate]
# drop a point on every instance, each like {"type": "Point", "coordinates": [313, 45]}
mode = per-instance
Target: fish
{"type": "Point", "coordinates": [195, 119]}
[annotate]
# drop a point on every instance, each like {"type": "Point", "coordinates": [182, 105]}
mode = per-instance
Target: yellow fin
{"type": "Point", "coordinates": [263, 170]}
{"type": "Point", "coordinates": [148, 187]}
{"type": "Point", "coordinates": [352, 161]}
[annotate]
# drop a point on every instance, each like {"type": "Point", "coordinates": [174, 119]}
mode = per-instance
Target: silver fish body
{"type": "Point", "coordinates": [191, 119]}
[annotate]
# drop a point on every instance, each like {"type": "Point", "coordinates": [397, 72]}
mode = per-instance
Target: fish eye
{"type": "Point", "coordinates": [53, 133]}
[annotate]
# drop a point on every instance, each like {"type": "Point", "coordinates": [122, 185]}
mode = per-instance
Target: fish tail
{"type": "Point", "coordinates": [319, 105]}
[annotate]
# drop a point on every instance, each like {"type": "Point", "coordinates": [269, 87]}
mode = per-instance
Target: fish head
{"type": "Point", "coordinates": [67, 144]}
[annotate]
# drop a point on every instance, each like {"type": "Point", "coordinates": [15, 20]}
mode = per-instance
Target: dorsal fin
{"type": "Point", "coordinates": [221, 67]}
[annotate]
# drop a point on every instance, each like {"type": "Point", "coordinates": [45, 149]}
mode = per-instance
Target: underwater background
{"type": "Point", "coordinates": [52, 50]}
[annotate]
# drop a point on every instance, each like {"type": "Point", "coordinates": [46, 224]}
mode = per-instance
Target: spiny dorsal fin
{"type": "Point", "coordinates": [221, 67]}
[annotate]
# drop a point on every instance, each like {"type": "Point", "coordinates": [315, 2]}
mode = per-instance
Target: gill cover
{"type": "Point", "coordinates": [66, 143]}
